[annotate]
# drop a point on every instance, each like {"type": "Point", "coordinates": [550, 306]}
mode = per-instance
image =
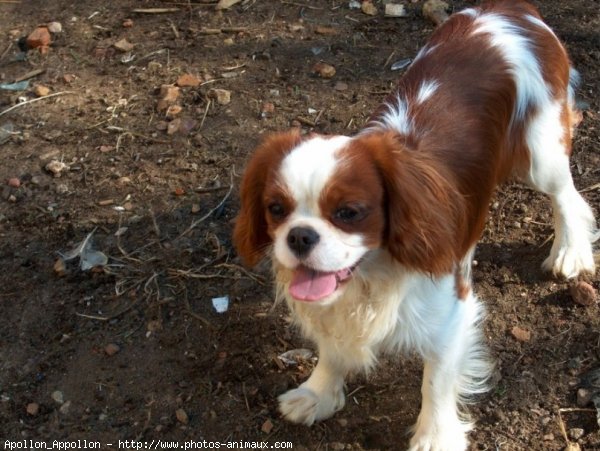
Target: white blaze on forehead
{"type": "Point", "coordinates": [308, 168]}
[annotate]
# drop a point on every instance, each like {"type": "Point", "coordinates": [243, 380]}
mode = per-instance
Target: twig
{"type": "Point", "coordinates": [6, 51]}
{"type": "Point", "coordinates": [193, 314]}
{"type": "Point", "coordinates": [209, 214]}
{"type": "Point", "coordinates": [301, 5]}
{"type": "Point", "coordinates": [14, 107]}
{"type": "Point", "coordinates": [305, 121]}
{"type": "Point", "coordinates": [155, 10]}
{"type": "Point", "coordinates": [210, 190]}
{"type": "Point", "coordinates": [590, 188]}
{"type": "Point", "coordinates": [205, 113]}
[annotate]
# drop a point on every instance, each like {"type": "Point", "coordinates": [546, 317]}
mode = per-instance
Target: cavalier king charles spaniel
{"type": "Point", "coordinates": [372, 236]}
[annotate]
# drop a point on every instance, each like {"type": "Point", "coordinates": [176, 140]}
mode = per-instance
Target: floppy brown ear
{"type": "Point", "coordinates": [250, 235]}
{"type": "Point", "coordinates": [426, 215]}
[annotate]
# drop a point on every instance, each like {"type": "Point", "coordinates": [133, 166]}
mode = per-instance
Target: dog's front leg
{"type": "Point", "coordinates": [321, 395]}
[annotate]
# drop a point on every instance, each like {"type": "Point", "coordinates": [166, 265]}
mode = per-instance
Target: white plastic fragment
{"type": "Point", "coordinates": [221, 304]}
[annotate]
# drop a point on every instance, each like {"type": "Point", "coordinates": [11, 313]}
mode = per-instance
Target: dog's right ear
{"type": "Point", "coordinates": [250, 235]}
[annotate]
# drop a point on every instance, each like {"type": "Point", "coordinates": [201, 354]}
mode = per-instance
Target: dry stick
{"type": "Point", "coordinates": [210, 213]}
{"type": "Point", "coordinates": [14, 107]}
{"type": "Point", "coordinates": [193, 314]}
{"type": "Point", "coordinates": [155, 10]}
{"type": "Point", "coordinates": [301, 5]}
{"type": "Point", "coordinates": [205, 113]}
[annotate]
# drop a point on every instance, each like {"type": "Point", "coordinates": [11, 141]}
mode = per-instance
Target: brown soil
{"type": "Point", "coordinates": [153, 300]}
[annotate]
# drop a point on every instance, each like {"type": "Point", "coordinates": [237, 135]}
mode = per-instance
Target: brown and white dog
{"type": "Point", "coordinates": [372, 236]}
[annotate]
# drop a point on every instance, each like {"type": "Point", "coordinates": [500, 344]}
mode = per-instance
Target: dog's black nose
{"type": "Point", "coordinates": [301, 240]}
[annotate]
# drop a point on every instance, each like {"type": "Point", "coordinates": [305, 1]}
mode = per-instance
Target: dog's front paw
{"type": "Point", "coordinates": [435, 443]}
{"type": "Point", "coordinates": [440, 437]}
{"type": "Point", "coordinates": [570, 261]}
{"type": "Point", "coordinates": [303, 405]}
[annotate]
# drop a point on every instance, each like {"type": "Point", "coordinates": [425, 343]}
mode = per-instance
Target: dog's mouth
{"type": "Point", "coordinates": [311, 285]}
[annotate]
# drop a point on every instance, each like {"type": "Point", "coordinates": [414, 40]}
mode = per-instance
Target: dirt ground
{"type": "Point", "coordinates": [134, 350]}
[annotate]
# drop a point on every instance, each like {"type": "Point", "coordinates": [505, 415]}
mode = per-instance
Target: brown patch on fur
{"type": "Point", "coordinates": [461, 285]}
{"type": "Point", "coordinates": [250, 235]}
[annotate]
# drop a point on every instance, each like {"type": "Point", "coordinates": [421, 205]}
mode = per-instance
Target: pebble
{"type": "Point", "coordinates": [55, 27]}
{"type": "Point", "coordinates": [548, 437]}
{"type": "Point", "coordinates": [584, 397]}
{"type": "Point", "coordinates": [168, 96]}
{"type": "Point", "coordinates": [41, 90]}
{"type": "Point", "coordinates": [520, 334]}
{"type": "Point", "coordinates": [56, 167]}
{"type": "Point", "coordinates": [222, 96]}
{"type": "Point", "coordinates": [14, 182]}
{"type": "Point", "coordinates": [60, 267]}
{"type": "Point", "coordinates": [368, 8]}
{"type": "Point", "coordinates": [267, 426]}
{"type": "Point", "coordinates": [583, 293]}
{"type": "Point", "coordinates": [65, 408]}
{"type": "Point", "coordinates": [127, 23]}
{"type": "Point", "coordinates": [395, 10]}
{"type": "Point", "coordinates": [576, 433]}
{"type": "Point", "coordinates": [188, 81]}
{"type": "Point", "coordinates": [268, 108]}
{"type": "Point", "coordinates": [324, 70]}
{"type": "Point", "coordinates": [111, 349]}
{"type": "Point", "coordinates": [58, 396]}
{"type": "Point", "coordinates": [182, 416]}
{"type": "Point", "coordinates": [39, 39]}
{"type": "Point", "coordinates": [123, 45]}
{"type": "Point", "coordinates": [435, 11]}
{"type": "Point", "coordinates": [340, 86]}
{"type": "Point", "coordinates": [33, 408]}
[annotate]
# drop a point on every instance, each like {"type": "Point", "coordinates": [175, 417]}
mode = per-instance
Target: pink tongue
{"type": "Point", "coordinates": [310, 285]}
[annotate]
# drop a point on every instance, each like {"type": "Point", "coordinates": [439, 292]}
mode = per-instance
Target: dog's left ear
{"type": "Point", "coordinates": [426, 215]}
{"type": "Point", "coordinates": [250, 235]}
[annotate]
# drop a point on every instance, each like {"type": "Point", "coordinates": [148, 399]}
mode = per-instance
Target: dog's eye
{"type": "Point", "coordinates": [277, 210]}
{"type": "Point", "coordinates": [349, 214]}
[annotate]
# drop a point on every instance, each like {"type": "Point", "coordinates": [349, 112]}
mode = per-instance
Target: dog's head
{"type": "Point", "coordinates": [321, 203]}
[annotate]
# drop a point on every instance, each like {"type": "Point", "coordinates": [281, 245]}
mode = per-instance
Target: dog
{"type": "Point", "coordinates": [372, 237]}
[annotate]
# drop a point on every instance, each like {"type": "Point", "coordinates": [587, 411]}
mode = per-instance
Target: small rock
{"type": "Point", "coordinates": [342, 422]}
{"type": "Point", "coordinates": [576, 433]}
{"type": "Point", "coordinates": [69, 78]}
{"type": "Point", "coordinates": [55, 27]}
{"type": "Point", "coordinates": [583, 293]}
{"type": "Point", "coordinates": [111, 349]}
{"type": "Point", "coordinates": [127, 23]}
{"type": "Point", "coordinates": [368, 8]}
{"type": "Point", "coordinates": [14, 182]}
{"type": "Point", "coordinates": [268, 108]}
{"type": "Point", "coordinates": [548, 437]}
{"type": "Point", "coordinates": [267, 426]}
{"type": "Point", "coordinates": [154, 67]}
{"type": "Point", "coordinates": [12, 198]}
{"type": "Point", "coordinates": [222, 96]}
{"type": "Point", "coordinates": [324, 70]}
{"type": "Point", "coordinates": [173, 111]}
{"type": "Point", "coordinates": [435, 11]}
{"type": "Point", "coordinates": [33, 408]}
{"type": "Point", "coordinates": [337, 446]}
{"type": "Point", "coordinates": [65, 408]}
{"type": "Point", "coordinates": [395, 10]}
{"type": "Point", "coordinates": [58, 396]}
{"type": "Point", "coordinates": [60, 267]}
{"type": "Point", "coordinates": [195, 208]}
{"type": "Point", "coordinates": [340, 86]}
{"type": "Point", "coordinates": [123, 45]}
{"type": "Point", "coordinates": [41, 90]}
{"type": "Point", "coordinates": [173, 126]}
{"type": "Point", "coordinates": [520, 334]}
{"type": "Point", "coordinates": [56, 167]}
{"type": "Point", "coordinates": [584, 397]}
{"type": "Point", "coordinates": [228, 41]}
{"type": "Point", "coordinates": [188, 81]}
{"type": "Point", "coordinates": [182, 416]}
{"type": "Point", "coordinates": [168, 96]}
{"type": "Point", "coordinates": [39, 39]}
